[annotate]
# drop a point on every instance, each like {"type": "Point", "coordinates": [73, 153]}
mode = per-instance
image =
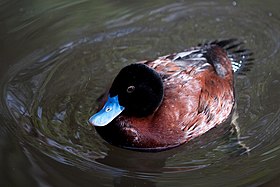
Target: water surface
{"type": "Point", "coordinates": [58, 57]}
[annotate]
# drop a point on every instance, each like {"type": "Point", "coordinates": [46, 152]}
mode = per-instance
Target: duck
{"type": "Point", "coordinates": [159, 104]}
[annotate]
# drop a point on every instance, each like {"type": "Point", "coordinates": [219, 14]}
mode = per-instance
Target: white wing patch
{"type": "Point", "coordinates": [193, 54]}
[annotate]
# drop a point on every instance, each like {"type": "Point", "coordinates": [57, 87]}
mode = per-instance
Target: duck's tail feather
{"type": "Point", "coordinates": [240, 57]}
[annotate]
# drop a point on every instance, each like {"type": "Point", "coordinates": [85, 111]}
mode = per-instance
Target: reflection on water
{"type": "Point", "coordinates": [59, 57]}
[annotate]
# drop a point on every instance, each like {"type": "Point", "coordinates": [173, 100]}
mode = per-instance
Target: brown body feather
{"type": "Point", "coordinates": [198, 95]}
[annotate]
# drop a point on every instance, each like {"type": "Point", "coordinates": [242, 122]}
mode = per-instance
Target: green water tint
{"type": "Point", "coordinates": [60, 57]}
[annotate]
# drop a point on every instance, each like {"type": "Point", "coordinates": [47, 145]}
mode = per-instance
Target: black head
{"type": "Point", "coordinates": [139, 90]}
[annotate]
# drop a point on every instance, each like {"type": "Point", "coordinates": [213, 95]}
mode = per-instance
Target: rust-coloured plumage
{"type": "Point", "coordinates": [198, 95]}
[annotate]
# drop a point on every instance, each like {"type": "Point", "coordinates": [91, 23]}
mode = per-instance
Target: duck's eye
{"type": "Point", "coordinates": [130, 89]}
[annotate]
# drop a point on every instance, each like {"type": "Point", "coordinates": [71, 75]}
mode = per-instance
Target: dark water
{"type": "Point", "coordinates": [57, 57]}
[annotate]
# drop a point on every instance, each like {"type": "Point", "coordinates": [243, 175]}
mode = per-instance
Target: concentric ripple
{"type": "Point", "coordinates": [50, 93]}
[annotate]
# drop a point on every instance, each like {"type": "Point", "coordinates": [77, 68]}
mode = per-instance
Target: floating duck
{"type": "Point", "coordinates": [159, 104]}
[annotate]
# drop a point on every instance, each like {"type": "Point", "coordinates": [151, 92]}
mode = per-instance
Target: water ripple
{"type": "Point", "coordinates": [50, 93]}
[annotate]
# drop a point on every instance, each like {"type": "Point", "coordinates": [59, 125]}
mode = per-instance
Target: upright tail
{"type": "Point", "coordinates": [240, 57]}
